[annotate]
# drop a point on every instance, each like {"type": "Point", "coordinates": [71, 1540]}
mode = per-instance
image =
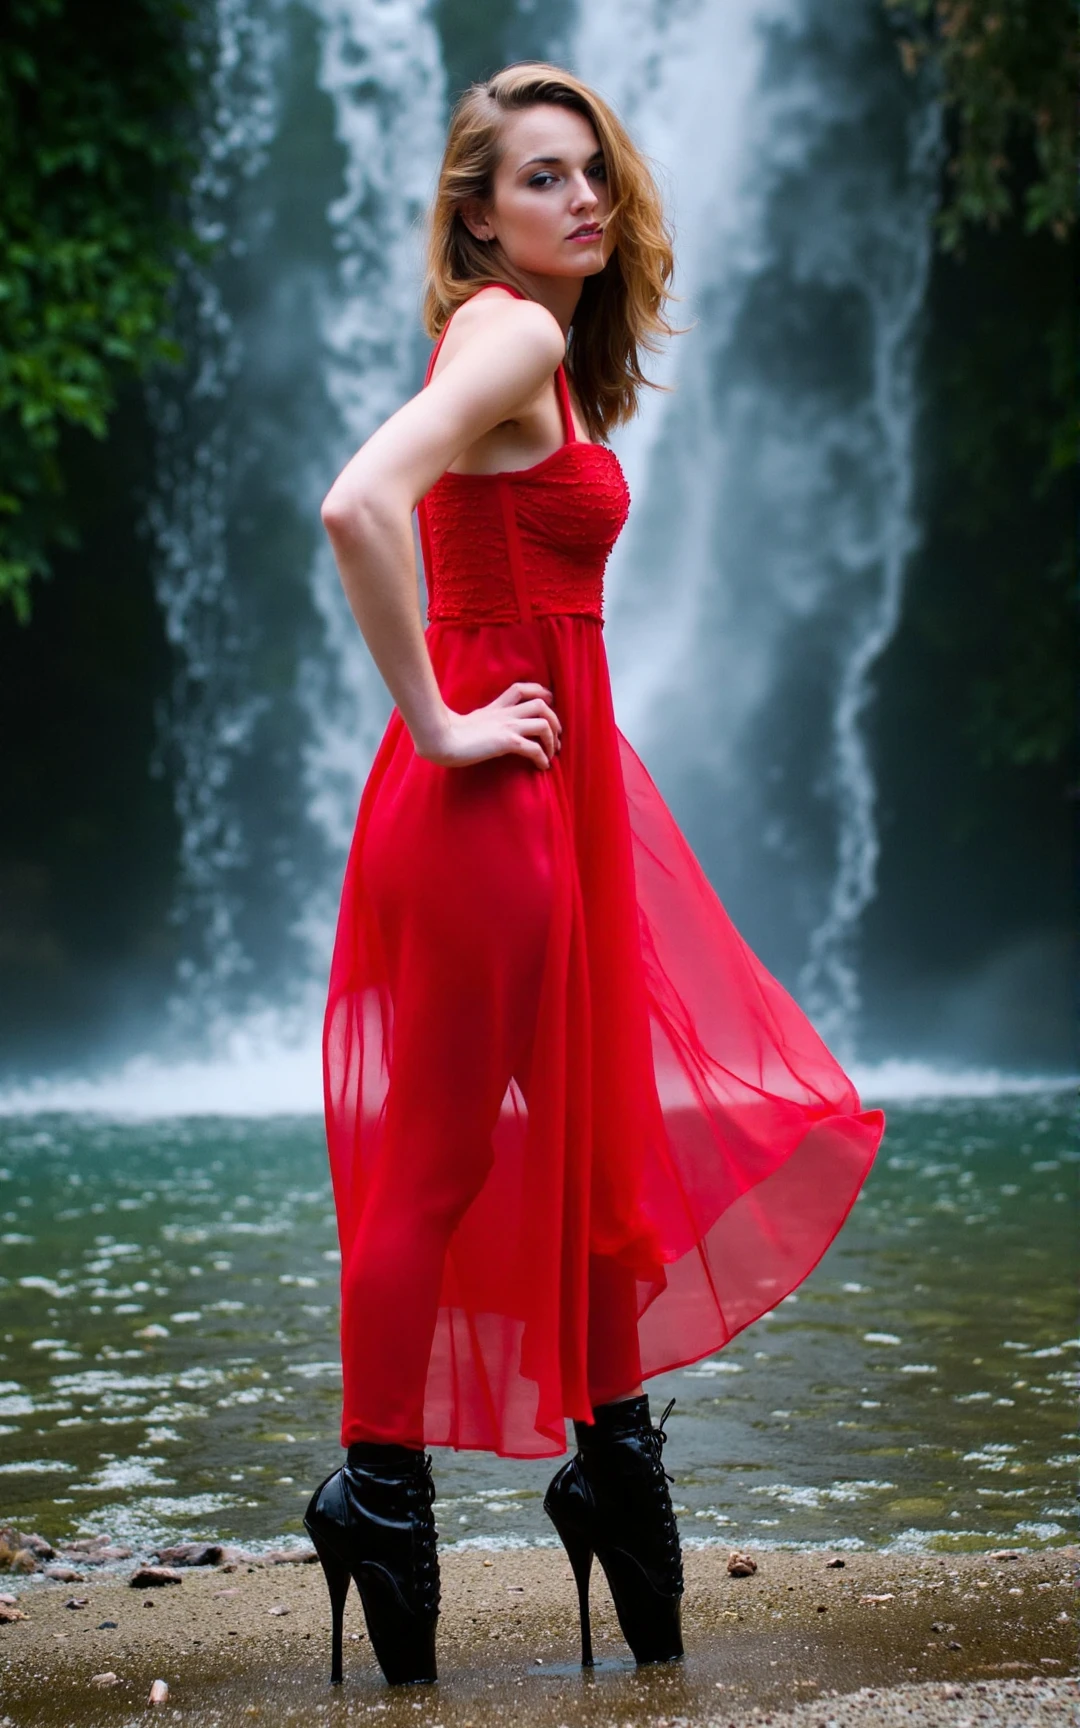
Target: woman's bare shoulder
{"type": "Point", "coordinates": [493, 319]}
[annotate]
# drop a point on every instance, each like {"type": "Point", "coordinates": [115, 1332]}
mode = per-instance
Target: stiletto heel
{"type": "Point", "coordinates": [580, 1554]}
{"type": "Point", "coordinates": [612, 1500]}
{"type": "Point", "coordinates": [371, 1521]}
{"type": "Point", "coordinates": [337, 1576]}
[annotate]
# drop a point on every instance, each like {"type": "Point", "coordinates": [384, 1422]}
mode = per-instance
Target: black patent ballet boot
{"type": "Point", "coordinates": [371, 1521]}
{"type": "Point", "coordinates": [612, 1500]}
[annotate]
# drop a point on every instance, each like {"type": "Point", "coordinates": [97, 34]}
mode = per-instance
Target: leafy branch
{"type": "Point", "coordinates": [93, 162]}
{"type": "Point", "coordinates": [1008, 74]}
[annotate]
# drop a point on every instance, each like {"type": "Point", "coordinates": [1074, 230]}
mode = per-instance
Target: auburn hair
{"type": "Point", "coordinates": [621, 311]}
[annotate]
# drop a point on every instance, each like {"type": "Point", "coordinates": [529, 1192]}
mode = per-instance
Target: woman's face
{"type": "Point", "coordinates": [551, 200]}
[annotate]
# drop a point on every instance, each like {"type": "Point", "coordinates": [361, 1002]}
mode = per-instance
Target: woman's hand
{"type": "Point", "coordinates": [520, 722]}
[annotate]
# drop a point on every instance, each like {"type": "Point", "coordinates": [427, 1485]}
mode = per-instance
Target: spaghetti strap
{"type": "Point", "coordinates": [435, 352]}
{"type": "Point", "coordinates": [562, 389]}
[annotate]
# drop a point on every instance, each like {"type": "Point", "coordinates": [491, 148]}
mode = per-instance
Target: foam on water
{"type": "Point", "coordinates": [900, 1080]}
{"type": "Point", "coordinates": [260, 1074]}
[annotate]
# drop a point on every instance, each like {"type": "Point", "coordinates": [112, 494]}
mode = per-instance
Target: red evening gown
{"type": "Point", "coordinates": [577, 1132]}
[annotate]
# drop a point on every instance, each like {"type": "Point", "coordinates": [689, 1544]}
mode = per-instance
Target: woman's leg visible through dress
{"type": "Point", "coordinates": [459, 875]}
{"type": "Point", "coordinates": [435, 1155]}
{"type": "Point", "coordinates": [614, 1352]}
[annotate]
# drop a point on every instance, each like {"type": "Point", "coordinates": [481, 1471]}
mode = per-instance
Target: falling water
{"type": "Point", "coordinates": [761, 575]}
{"type": "Point", "coordinates": [382, 67]}
{"type": "Point", "coordinates": [210, 713]}
{"type": "Point", "coordinates": [829, 980]}
{"type": "Point", "coordinates": [303, 334]}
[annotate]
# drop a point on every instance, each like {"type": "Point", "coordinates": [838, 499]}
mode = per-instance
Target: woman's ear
{"type": "Point", "coordinates": [477, 220]}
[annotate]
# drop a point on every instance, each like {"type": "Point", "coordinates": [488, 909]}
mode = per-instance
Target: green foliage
{"type": "Point", "coordinates": [92, 161]}
{"type": "Point", "coordinates": [1008, 73]}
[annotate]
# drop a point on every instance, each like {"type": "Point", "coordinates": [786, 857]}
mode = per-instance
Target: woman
{"type": "Point", "coordinates": [578, 1135]}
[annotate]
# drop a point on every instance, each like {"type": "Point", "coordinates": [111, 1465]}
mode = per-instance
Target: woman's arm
{"type": "Point", "coordinates": [504, 350]}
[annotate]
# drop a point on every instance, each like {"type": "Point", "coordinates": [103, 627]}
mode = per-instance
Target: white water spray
{"type": "Point", "coordinates": [829, 982]}
{"type": "Point", "coordinates": [773, 501]}
{"type": "Point", "coordinates": [212, 707]}
{"type": "Point", "coordinates": [382, 67]}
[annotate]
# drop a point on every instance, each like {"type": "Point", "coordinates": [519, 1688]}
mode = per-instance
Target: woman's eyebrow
{"type": "Point", "coordinates": [557, 161]}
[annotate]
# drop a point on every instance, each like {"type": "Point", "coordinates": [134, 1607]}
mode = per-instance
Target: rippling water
{"type": "Point", "coordinates": [168, 1351]}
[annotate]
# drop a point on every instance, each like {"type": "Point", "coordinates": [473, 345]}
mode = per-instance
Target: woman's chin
{"type": "Point", "coordinates": [586, 262]}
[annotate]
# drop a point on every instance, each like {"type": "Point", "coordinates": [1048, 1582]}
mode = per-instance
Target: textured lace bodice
{"type": "Point", "coordinates": [568, 511]}
{"type": "Point", "coordinates": [524, 543]}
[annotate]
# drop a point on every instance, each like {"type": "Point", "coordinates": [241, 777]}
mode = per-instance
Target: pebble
{"type": "Point", "coordinates": [159, 1692]}
{"type": "Point", "coordinates": [63, 1574]}
{"type": "Point", "coordinates": [741, 1565]}
{"type": "Point", "coordinates": [195, 1554]}
{"type": "Point", "coordinates": [835, 1560]}
{"type": "Point", "coordinates": [8, 1614]}
{"type": "Point", "coordinates": [106, 1679]}
{"type": "Point", "coordinates": [151, 1576]}
{"type": "Point", "coordinates": [77, 1602]}
{"type": "Point", "coordinates": [278, 1608]}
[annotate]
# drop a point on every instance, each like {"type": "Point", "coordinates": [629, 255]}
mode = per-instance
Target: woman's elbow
{"type": "Point", "coordinates": [353, 515]}
{"type": "Point", "coordinates": [340, 515]}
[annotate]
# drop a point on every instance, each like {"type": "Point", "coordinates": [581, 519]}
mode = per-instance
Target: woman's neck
{"type": "Point", "coordinates": [560, 294]}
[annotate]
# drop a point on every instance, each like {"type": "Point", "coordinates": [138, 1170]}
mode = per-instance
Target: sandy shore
{"type": "Point", "coordinates": [964, 1641]}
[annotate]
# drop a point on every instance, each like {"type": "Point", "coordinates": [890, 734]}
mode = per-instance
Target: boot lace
{"type": "Point", "coordinates": [421, 1493]}
{"type": "Point", "coordinates": [655, 1440]}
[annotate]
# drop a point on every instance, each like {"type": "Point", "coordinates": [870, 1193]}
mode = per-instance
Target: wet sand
{"type": "Point", "coordinates": [965, 1640]}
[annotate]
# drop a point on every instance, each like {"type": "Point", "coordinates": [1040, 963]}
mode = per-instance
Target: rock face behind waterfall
{"type": "Point", "coordinates": [191, 713]}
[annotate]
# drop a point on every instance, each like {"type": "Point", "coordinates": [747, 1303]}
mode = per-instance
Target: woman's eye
{"type": "Point", "coordinates": [537, 178]}
{"type": "Point", "coordinates": [599, 170]}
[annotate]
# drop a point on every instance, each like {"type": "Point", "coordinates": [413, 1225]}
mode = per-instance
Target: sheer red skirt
{"type": "Point", "coordinates": [578, 1134]}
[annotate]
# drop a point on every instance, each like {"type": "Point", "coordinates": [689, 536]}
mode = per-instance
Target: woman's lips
{"type": "Point", "coordinates": [585, 234]}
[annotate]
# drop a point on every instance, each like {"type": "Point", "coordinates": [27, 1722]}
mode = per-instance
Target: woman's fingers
{"type": "Point", "coordinates": [540, 728]}
{"type": "Point", "coordinates": [538, 709]}
{"type": "Point", "coordinates": [520, 722]}
{"type": "Point", "coordinates": [524, 692]}
{"type": "Point", "coordinates": [532, 751]}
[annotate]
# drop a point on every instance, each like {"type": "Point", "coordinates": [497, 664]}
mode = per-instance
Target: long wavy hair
{"type": "Point", "coordinates": [621, 311]}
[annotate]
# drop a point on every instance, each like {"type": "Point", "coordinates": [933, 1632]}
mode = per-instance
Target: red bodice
{"type": "Point", "coordinates": [524, 543]}
{"type": "Point", "coordinates": [567, 512]}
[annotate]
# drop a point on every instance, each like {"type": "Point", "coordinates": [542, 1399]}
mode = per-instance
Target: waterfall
{"type": "Point", "coordinates": [302, 332]}
{"type": "Point", "coordinates": [760, 576]}
{"type": "Point", "coordinates": [382, 67]}
{"type": "Point", "coordinates": [828, 981]}
{"type": "Point", "coordinates": [210, 713]}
